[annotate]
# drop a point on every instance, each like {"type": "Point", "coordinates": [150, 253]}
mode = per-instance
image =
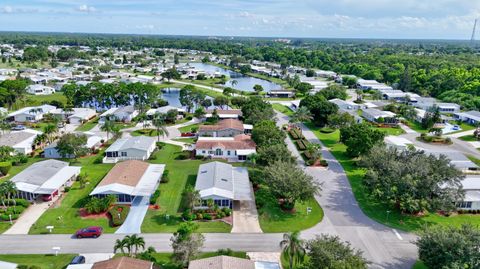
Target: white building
{"type": "Point", "coordinates": [21, 141]}
{"type": "Point", "coordinates": [133, 148]}
{"type": "Point", "coordinates": [372, 85]}
{"type": "Point", "coordinates": [76, 115]}
{"type": "Point", "coordinates": [471, 201]}
{"type": "Point", "coordinates": [235, 148]}
{"type": "Point", "coordinates": [222, 183]}
{"type": "Point", "coordinates": [470, 117]}
{"type": "Point", "coordinates": [124, 114]}
{"type": "Point", "coordinates": [38, 89]}
{"type": "Point", "coordinates": [30, 114]}
{"type": "Point", "coordinates": [374, 115]}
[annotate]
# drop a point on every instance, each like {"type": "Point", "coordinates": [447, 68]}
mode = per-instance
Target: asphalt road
{"type": "Point", "coordinates": [383, 246]}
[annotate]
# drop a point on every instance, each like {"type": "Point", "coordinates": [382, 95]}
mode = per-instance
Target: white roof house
{"type": "Point", "coordinates": [164, 110]}
{"type": "Point", "coordinates": [45, 177]}
{"type": "Point", "coordinates": [472, 117]}
{"type": "Point", "coordinates": [373, 114]}
{"type": "Point", "coordinates": [345, 105]}
{"type": "Point", "coordinates": [131, 178]}
{"type": "Point", "coordinates": [21, 141]}
{"type": "Point", "coordinates": [222, 181]}
{"type": "Point", "coordinates": [457, 159]}
{"type": "Point", "coordinates": [30, 114]}
{"type": "Point", "coordinates": [372, 85]}
{"type": "Point", "coordinates": [133, 148]}
{"type": "Point", "coordinates": [38, 89]}
{"type": "Point", "coordinates": [124, 113]}
{"type": "Point", "coordinates": [398, 142]}
{"type": "Point", "coordinates": [76, 115]}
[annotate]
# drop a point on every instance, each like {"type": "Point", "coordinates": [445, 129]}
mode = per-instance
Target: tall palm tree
{"type": "Point", "coordinates": [135, 242]}
{"type": "Point", "coordinates": [159, 122]}
{"type": "Point", "coordinates": [302, 114]}
{"type": "Point", "coordinates": [49, 130]}
{"type": "Point", "coordinates": [109, 127]}
{"type": "Point", "coordinates": [121, 245]}
{"type": "Point", "coordinates": [315, 151]}
{"type": "Point", "coordinates": [293, 247]}
{"type": "Point", "coordinates": [3, 195]}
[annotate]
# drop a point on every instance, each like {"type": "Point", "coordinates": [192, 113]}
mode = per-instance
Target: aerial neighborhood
{"type": "Point", "coordinates": [242, 158]}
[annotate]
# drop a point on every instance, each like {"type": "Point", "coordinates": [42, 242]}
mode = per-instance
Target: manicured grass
{"type": "Point", "coordinates": [378, 210]}
{"type": "Point", "coordinates": [473, 159]}
{"type": "Point", "coordinates": [122, 125]}
{"type": "Point", "coordinates": [283, 109]}
{"type": "Point", "coordinates": [65, 217]}
{"type": "Point", "coordinates": [36, 100]}
{"type": "Point", "coordinates": [468, 138]}
{"type": "Point", "coordinates": [185, 140]}
{"type": "Point", "coordinates": [419, 265]}
{"type": "Point", "coordinates": [274, 220]}
{"type": "Point", "coordinates": [416, 126]}
{"type": "Point", "coordinates": [188, 128]}
{"type": "Point", "coordinates": [4, 226]}
{"type": "Point", "coordinates": [146, 132]}
{"type": "Point", "coordinates": [87, 126]}
{"type": "Point", "coordinates": [181, 173]}
{"type": "Point", "coordinates": [464, 127]}
{"type": "Point", "coordinates": [42, 261]}
{"type": "Point", "coordinates": [391, 131]}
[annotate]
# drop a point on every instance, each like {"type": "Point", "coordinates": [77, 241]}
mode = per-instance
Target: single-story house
{"type": "Point", "coordinates": [397, 142]}
{"type": "Point", "coordinates": [44, 178]}
{"type": "Point", "coordinates": [235, 148]}
{"type": "Point", "coordinates": [123, 263]}
{"type": "Point", "coordinates": [164, 110]}
{"type": "Point", "coordinates": [422, 113]}
{"type": "Point", "coordinates": [124, 114]}
{"type": "Point", "coordinates": [398, 95]}
{"type": "Point", "coordinates": [470, 117]}
{"type": "Point", "coordinates": [38, 89]}
{"type": "Point", "coordinates": [379, 116]}
{"type": "Point", "coordinates": [224, 128]}
{"type": "Point", "coordinates": [76, 115]}
{"type": "Point", "coordinates": [225, 114]}
{"type": "Point", "coordinates": [281, 94]}
{"type": "Point", "coordinates": [132, 148]}
{"type": "Point", "coordinates": [30, 114]}
{"type": "Point", "coordinates": [427, 103]}
{"type": "Point", "coordinates": [21, 141]}
{"type": "Point", "coordinates": [372, 85]}
{"type": "Point", "coordinates": [222, 183]}
{"type": "Point", "coordinates": [471, 201]}
{"type": "Point", "coordinates": [130, 179]}
{"type": "Point", "coordinates": [227, 262]}
{"type": "Point", "coordinates": [457, 159]}
{"type": "Point", "coordinates": [93, 142]}
{"type": "Point", "coordinates": [345, 105]}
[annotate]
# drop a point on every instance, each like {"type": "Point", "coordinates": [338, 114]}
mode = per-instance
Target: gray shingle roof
{"type": "Point", "coordinates": [38, 173]}
{"type": "Point", "coordinates": [11, 139]}
{"type": "Point", "coordinates": [138, 142]}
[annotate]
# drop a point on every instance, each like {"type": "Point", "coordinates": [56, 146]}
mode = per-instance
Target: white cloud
{"type": "Point", "coordinates": [6, 9]}
{"type": "Point", "coordinates": [86, 9]}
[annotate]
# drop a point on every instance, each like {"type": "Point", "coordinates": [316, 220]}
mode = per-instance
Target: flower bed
{"type": "Point", "coordinates": [118, 213]}
{"type": "Point", "coordinates": [302, 144]}
{"type": "Point", "coordinates": [14, 209]}
{"type": "Point", "coordinates": [296, 134]}
{"type": "Point", "coordinates": [206, 215]}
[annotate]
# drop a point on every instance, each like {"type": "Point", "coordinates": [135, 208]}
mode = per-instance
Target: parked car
{"type": "Point", "coordinates": [93, 231]}
{"type": "Point", "coordinates": [18, 128]}
{"type": "Point", "coordinates": [48, 197]}
{"type": "Point", "coordinates": [78, 260]}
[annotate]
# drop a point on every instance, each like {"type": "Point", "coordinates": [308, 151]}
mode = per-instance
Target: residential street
{"type": "Point", "coordinates": [383, 246]}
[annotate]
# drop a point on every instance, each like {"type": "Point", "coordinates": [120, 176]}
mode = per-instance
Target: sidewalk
{"type": "Point", "coordinates": [28, 218]}
{"type": "Point", "coordinates": [133, 222]}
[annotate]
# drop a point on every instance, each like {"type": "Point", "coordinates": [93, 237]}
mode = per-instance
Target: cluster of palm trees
{"type": "Point", "coordinates": [130, 245]}
{"type": "Point", "coordinates": [8, 189]}
{"type": "Point", "coordinates": [110, 127]}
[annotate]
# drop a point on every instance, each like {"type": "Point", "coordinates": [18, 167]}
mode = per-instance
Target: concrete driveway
{"type": "Point", "coordinates": [245, 217]}
{"type": "Point", "coordinates": [28, 218]}
{"type": "Point", "coordinates": [133, 222]}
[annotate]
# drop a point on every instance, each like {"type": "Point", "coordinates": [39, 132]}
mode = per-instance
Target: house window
{"type": "Point", "coordinates": [218, 152]}
{"type": "Point", "coordinates": [124, 154]}
{"type": "Point", "coordinates": [242, 157]}
{"type": "Point", "coordinates": [465, 205]}
{"type": "Point", "coordinates": [203, 151]}
{"type": "Point", "coordinates": [228, 153]}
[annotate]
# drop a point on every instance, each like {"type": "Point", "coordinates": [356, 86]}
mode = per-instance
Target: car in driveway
{"type": "Point", "coordinates": [78, 260]}
{"type": "Point", "coordinates": [18, 128]}
{"type": "Point", "coordinates": [92, 232]}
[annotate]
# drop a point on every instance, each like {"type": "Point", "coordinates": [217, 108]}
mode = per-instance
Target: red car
{"type": "Point", "coordinates": [93, 231]}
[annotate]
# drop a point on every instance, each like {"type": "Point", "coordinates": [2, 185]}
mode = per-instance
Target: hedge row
{"type": "Point", "coordinates": [115, 210]}
{"type": "Point", "coordinates": [302, 144]}
{"type": "Point", "coordinates": [18, 202]}
{"type": "Point", "coordinates": [153, 199]}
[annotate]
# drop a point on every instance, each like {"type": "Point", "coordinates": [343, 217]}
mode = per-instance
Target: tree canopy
{"type": "Point", "coordinates": [360, 138]}
{"type": "Point", "coordinates": [320, 108]}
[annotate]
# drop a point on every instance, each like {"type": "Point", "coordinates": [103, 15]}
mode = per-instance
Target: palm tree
{"type": "Point", "coordinates": [192, 196]}
{"type": "Point", "coordinates": [252, 158]}
{"type": "Point", "coordinates": [109, 127]}
{"type": "Point", "coordinates": [121, 245]}
{"type": "Point", "coordinates": [302, 114]}
{"type": "Point", "coordinates": [315, 151]}
{"type": "Point", "coordinates": [135, 241]}
{"type": "Point", "coordinates": [50, 130]}
{"type": "Point", "coordinates": [159, 122]}
{"type": "Point", "coordinates": [3, 195]}
{"type": "Point", "coordinates": [293, 247]}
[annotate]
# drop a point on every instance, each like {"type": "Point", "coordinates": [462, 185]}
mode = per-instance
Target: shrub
{"type": "Point", "coordinates": [189, 117]}
{"type": "Point", "coordinates": [99, 205]}
{"type": "Point", "coordinates": [187, 215]}
{"type": "Point", "coordinates": [225, 252]}
{"type": "Point", "coordinates": [207, 217]}
{"type": "Point", "coordinates": [160, 145]}
{"type": "Point", "coordinates": [227, 211]}
{"type": "Point", "coordinates": [5, 167]}
{"type": "Point", "coordinates": [199, 216]}
{"type": "Point", "coordinates": [327, 130]}
{"type": "Point", "coordinates": [323, 163]}
{"type": "Point", "coordinates": [221, 215]}
{"type": "Point", "coordinates": [183, 156]}
{"type": "Point", "coordinates": [67, 189]}
{"type": "Point", "coordinates": [155, 195]}
{"type": "Point", "coordinates": [18, 202]}
{"type": "Point", "coordinates": [98, 160]}
{"type": "Point", "coordinates": [165, 177]}
{"type": "Point", "coordinates": [118, 213]}
{"type": "Point", "coordinates": [293, 134]}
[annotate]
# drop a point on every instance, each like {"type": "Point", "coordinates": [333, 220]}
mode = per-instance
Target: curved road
{"type": "Point", "coordinates": [383, 246]}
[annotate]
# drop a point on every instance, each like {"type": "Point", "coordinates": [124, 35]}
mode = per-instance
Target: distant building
{"type": "Point", "coordinates": [379, 116]}
{"type": "Point", "coordinates": [37, 89]}
{"type": "Point", "coordinates": [470, 117]}
{"type": "Point", "coordinates": [21, 141]}
{"type": "Point", "coordinates": [231, 148]}
{"type": "Point", "coordinates": [75, 116]}
{"type": "Point", "coordinates": [30, 114]}
{"type": "Point", "coordinates": [224, 128]}
{"type": "Point", "coordinates": [133, 148]}
{"type": "Point", "coordinates": [225, 114]}
{"type": "Point", "coordinates": [364, 84]}
{"type": "Point", "coordinates": [123, 114]}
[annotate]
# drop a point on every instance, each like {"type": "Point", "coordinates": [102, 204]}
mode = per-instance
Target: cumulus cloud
{"type": "Point", "coordinates": [86, 9]}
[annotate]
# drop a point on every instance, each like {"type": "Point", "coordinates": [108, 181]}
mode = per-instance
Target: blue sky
{"type": "Point", "coordinates": [443, 19]}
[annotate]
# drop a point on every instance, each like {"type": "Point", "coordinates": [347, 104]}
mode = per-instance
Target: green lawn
{"type": "Point", "coordinates": [468, 138]}
{"type": "Point", "coordinates": [4, 226]}
{"type": "Point", "coordinates": [185, 140]}
{"type": "Point", "coordinates": [146, 132]}
{"type": "Point", "coordinates": [65, 217]}
{"type": "Point", "coordinates": [122, 125]}
{"type": "Point", "coordinates": [36, 100]}
{"type": "Point", "coordinates": [416, 126]}
{"type": "Point", "coordinates": [87, 126]}
{"type": "Point", "coordinates": [464, 127]}
{"type": "Point", "coordinates": [419, 265]}
{"type": "Point", "coordinates": [188, 128]}
{"type": "Point", "coordinates": [274, 220]}
{"type": "Point", "coordinates": [181, 173]}
{"type": "Point", "coordinates": [283, 109]}
{"type": "Point", "coordinates": [391, 131]}
{"type": "Point", "coordinates": [42, 261]}
{"type": "Point", "coordinates": [378, 210]}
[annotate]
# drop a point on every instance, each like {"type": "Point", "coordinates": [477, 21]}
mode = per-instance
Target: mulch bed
{"type": "Point", "coordinates": [85, 215]}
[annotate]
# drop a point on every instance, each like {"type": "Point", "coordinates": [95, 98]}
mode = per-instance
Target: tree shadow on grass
{"type": "Point", "coordinates": [183, 203]}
